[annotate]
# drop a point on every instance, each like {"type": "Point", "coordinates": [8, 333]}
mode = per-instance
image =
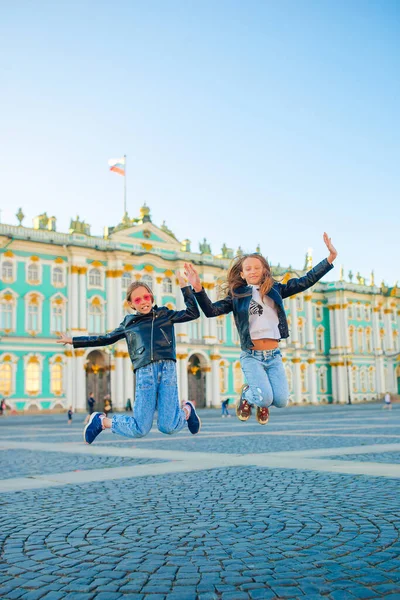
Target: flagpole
{"type": "Point", "coordinates": [125, 187]}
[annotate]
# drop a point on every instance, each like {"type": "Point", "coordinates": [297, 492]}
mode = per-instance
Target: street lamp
{"type": "Point", "coordinates": [347, 365]}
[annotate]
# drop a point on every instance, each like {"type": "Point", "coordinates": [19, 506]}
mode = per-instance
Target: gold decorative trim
{"type": "Point", "coordinates": [35, 259]}
{"type": "Point", "coordinates": [206, 370]}
{"type": "Point", "coordinates": [58, 260]}
{"type": "Point", "coordinates": [215, 356]}
{"type": "Point", "coordinates": [148, 268]}
{"type": "Point", "coordinates": [96, 263]}
{"type": "Point", "coordinates": [296, 360]}
{"type": "Point", "coordinates": [311, 361]}
{"type": "Point", "coordinates": [309, 297]}
{"type": "Point", "coordinates": [168, 273]}
{"type": "Point", "coordinates": [159, 279]}
{"type": "Point", "coordinates": [182, 356]}
{"type": "Point", "coordinates": [74, 269]}
{"type": "Point", "coordinates": [146, 247]}
{"type": "Point", "coordinates": [79, 352]}
{"type": "Point", "coordinates": [68, 353]}
{"type": "Point", "coordinates": [9, 254]}
{"type": "Point", "coordinates": [387, 311]}
{"type": "Point", "coordinates": [119, 354]}
{"type": "Point", "coordinates": [128, 268]}
{"type": "Point", "coordinates": [82, 270]}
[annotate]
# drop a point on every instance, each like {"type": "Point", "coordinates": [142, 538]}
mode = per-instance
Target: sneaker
{"type": "Point", "coordinates": [193, 422]}
{"type": "Point", "coordinates": [262, 415]}
{"type": "Point", "coordinates": [243, 409]}
{"type": "Point", "coordinates": [93, 428]}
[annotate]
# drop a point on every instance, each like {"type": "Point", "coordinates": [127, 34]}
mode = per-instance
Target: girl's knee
{"type": "Point", "coordinates": [281, 401]}
{"type": "Point", "coordinates": [259, 396]}
{"type": "Point", "coordinates": [165, 429]}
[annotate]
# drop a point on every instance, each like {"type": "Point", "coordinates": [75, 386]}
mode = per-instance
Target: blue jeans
{"type": "Point", "coordinates": [156, 388]}
{"type": "Point", "coordinates": [266, 377]}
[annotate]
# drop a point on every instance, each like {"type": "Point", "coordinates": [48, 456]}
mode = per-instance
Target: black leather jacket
{"type": "Point", "coordinates": [149, 337]}
{"type": "Point", "coordinates": [240, 306]}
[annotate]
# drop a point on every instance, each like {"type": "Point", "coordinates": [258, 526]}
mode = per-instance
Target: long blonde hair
{"type": "Point", "coordinates": [234, 280]}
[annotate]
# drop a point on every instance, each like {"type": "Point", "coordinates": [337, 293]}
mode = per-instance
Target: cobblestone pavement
{"type": "Point", "coordinates": [306, 507]}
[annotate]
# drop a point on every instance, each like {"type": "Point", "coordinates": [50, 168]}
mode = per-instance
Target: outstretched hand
{"type": "Point", "coordinates": [331, 248]}
{"type": "Point", "coordinates": [64, 339]}
{"type": "Point", "coordinates": [193, 277]}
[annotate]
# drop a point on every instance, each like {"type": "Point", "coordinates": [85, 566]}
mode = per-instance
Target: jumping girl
{"type": "Point", "coordinates": [256, 300]}
{"type": "Point", "coordinates": [151, 344]}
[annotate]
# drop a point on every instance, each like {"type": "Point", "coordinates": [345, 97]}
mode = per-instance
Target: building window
{"type": "Point", "coordinates": [95, 317]}
{"type": "Point", "coordinates": [235, 333]}
{"type": "Point", "coordinates": [320, 339]}
{"type": "Point", "coordinates": [303, 378]}
{"type": "Point", "coordinates": [393, 316]}
{"type": "Point", "coordinates": [301, 333]}
{"type": "Point", "coordinates": [322, 378]}
{"type": "Point", "coordinates": [368, 340]}
{"type": "Point", "coordinates": [350, 311]}
{"type": "Point", "coordinates": [299, 302]}
{"type": "Point", "coordinates": [360, 340]}
{"type": "Point", "coordinates": [33, 317]}
{"type": "Point", "coordinates": [7, 271]}
{"type": "Point", "coordinates": [354, 383]}
{"type": "Point", "coordinates": [33, 274]}
{"type": "Point", "coordinates": [56, 378]}
{"type": "Point", "coordinates": [95, 277]}
{"type": "Point", "coordinates": [367, 313]}
{"type": "Point", "coordinates": [5, 379]}
{"type": "Point", "coordinates": [167, 286]}
{"type": "Point", "coordinates": [351, 338]}
{"type": "Point", "coordinates": [148, 280]}
{"type": "Point", "coordinates": [126, 280]}
{"type": "Point", "coordinates": [318, 312]}
{"type": "Point", "coordinates": [58, 276]}
{"type": "Point", "coordinates": [57, 318]}
{"type": "Point", "coordinates": [223, 372]}
{"type": "Point", "coordinates": [371, 379]}
{"type": "Point", "coordinates": [289, 377]}
{"type": "Point", "coordinates": [237, 377]}
{"type": "Point", "coordinates": [363, 380]}
{"type": "Point", "coordinates": [358, 312]}
{"type": "Point", "coordinates": [195, 330]}
{"type": "Point", "coordinates": [6, 314]}
{"type": "Point", "coordinates": [32, 376]}
{"type": "Point", "coordinates": [220, 329]}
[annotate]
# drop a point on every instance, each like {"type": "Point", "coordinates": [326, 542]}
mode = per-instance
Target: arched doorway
{"type": "Point", "coordinates": [197, 381]}
{"type": "Point", "coordinates": [98, 369]}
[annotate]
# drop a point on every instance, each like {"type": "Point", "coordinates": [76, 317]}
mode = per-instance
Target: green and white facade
{"type": "Point", "coordinates": [344, 341]}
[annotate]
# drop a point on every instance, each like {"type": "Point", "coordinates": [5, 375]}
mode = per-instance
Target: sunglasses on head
{"type": "Point", "coordinates": [145, 297]}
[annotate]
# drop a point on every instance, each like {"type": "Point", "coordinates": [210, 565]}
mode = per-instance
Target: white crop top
{"type": "Point", "coordinates": [263, 317]}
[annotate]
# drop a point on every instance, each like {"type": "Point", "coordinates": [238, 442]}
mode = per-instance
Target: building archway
{"type": "Point", "coordinates": [98, 367]}
{"type": "Point", "coordinates": [197, 372]}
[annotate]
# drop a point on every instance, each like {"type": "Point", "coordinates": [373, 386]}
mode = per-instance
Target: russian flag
{"type": "Point", "coordinates": [117, 165]}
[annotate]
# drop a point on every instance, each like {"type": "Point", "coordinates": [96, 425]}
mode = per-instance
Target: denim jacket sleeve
{"type": "Point", "coordinates": [100, 340]}
{"type": "Point", "coordinates": [214, 309]}
{"type": "Point", "coordinates": [296, 285]}
{"type": "Point", "coordinates": [192, 311]}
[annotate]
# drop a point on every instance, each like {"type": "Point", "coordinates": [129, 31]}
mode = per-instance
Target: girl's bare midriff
{"type": "Point", "coordinates": [265, 344]}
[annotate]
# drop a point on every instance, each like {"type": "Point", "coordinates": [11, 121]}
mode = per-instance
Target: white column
{"type": "Point", "coordinates": [332, 331]}
{"type": "Point", "coordinates": [69, 389]}
{"type": "Point", "coordinates": [335, 396]}
{"type": "Point", "coordinates": [157, 292]}
{"type": "Point", "coordinates": [312, 380]}
{"type": "Point", "coordinates": [209, 386]}
{"type": "Point", "coordinates": [310, 344]}
{"type": "Point", "coordinates": [182, 329]}
{"type": "Point", "coordinates": [118, 301]}
{"type": "Point", "coordinates": [82, 299]}
{"type": "Point", "coordinates": [183, 377]}
{"type": "Point", "coordinates": [128, 379]}
{"type": "Point", "coordinates": [376, 337]}
{"type": "Point", "coordinates": [215, 394]}
{"type": "Point", "coordinates": [212, 292]}
{"type": "Point", "coordinates": [294, 333]}
{"type": "Point", "coordinates": [110, 311]}
{"type": "Point", "coordinates": [80, 380]}
{"type": "Point", "coordinates": [118, 400]}
{"type": "Point", "coordinates": [73, 299]}
{"type": "Point", "coordinates": [388, 329]}
{"type": "Point", "coordinates": [296, 380]}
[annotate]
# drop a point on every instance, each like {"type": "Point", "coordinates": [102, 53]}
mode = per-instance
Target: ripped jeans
{"type": "Point", "coordinates": [265, 374]}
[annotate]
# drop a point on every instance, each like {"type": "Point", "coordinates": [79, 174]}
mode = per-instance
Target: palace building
{"type": "Point", "coordinates": [344, 335]}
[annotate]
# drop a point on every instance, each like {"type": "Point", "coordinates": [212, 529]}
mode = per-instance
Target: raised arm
{"type": "Point", "coordinates": [296, 285]}
{"type": "Point", "coordinates": [192, 311]}
{"type": "Point", "coordinates": [210, 309]}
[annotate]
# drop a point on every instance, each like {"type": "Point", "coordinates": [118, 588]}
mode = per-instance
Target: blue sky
{"type": "Point", "coordinates": [243, 122]}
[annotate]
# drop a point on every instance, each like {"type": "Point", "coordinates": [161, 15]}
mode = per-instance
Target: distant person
{"type": "Point", "coordinates": [224, 408]}
{"type": "Point", "coordinates": [387, 401]}
{"type": "Point", "coordinates": [107, 404]}
{"type": "Point", "coordinates": [128, 406]}
{"type": "Point", "coordinates": [70, 415]}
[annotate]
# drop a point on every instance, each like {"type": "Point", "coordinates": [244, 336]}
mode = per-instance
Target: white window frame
{"type": "Point", "coordinates": [318, 312]}
{"type": "Point", "coordinates": [223, 365]}
{"type": "Point", "coordinates": [55, 360]}
{"type": "Point", "coordinates": [38, 266]}
{"type": "Point", "coordinates": [40, 312]}
{"type": "Point", "coordinates": [124, 279]}
{"type": "Point", "coordinates": [54, 270]}
{"type": "Point", "coordinates": [13, 302]}
{"type": "Point", "coordinates": [102, 314]}
{"type": "Point", "coordinates": [148, 280]}
{"type": "Point", "coordinates": [63, 315]}
{"type": "Point", "coordinates": [320, 339]}
{"type": "Point", "coordinates": [220, 327]}
{"type": "Point", "coordinates": [5, 265]}
{"type": "Point", "coordinates": [167, 286]}
{"type": "Point", "coordinates": [99, 272]}
{"type": "Point", "coordinates": [12, 361]}
{"type": "Point", "coordinates": [323, 379]}
{"type": "Point", "coordinates": [27, 359]}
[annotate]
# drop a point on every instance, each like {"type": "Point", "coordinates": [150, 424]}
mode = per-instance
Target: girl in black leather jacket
{"type": "Point", "coordinates": [151, 343]}
{"type": "Point", "coordinates": [256, 300]}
